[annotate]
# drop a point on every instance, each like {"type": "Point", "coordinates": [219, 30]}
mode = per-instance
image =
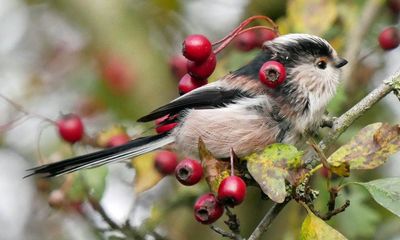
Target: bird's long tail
{"type": "Point", "coordinates": [131, 149]}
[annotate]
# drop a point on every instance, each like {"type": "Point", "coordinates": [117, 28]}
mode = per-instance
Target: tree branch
{"type": "Point", "coordinates": [267, 220]}
{"type": "Point", "coordinates": [348, 118]}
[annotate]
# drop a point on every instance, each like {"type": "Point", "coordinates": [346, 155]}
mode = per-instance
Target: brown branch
{"type": "Point", "coordinates": [267, 220]}
{"type": "Point", "coordinates": [222, 232]}
{"type": "Point", "coordinates": [344, 121]}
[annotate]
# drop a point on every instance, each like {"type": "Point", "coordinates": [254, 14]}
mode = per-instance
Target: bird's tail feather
{"type": "Point", "coordinates": [131, 149]}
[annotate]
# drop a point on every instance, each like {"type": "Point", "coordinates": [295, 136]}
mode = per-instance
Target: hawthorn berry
{"type": "Point", "coordinates": [246, 41]}
{"type": "Point", "coordinates": [231, 191]}
{"type": "Point", "coordinates": [177, 64]}
{"type": "Point", "coordinates": [204, 69]}
{"type": "Point", "coordinates": [165, 162]}
{"type": "Point", "coordinates": [207, 209]}
{"type": "Point", "coordinates": [70, 128]}
{"type": "Point", "coordinates": [389, 38]}
{"type": "Point", "coordinates": [264, 35]}
{"type": "Point", "coordinates": [196, 48]}
{"type": "Point", "coordinates": [189, 172]}
{"type": "Point", "coordinates": [162, 128]}
{"type": "Point", "coordinates": [272, 74]}
{"type": "Point", "coordinates": [188, 83]}
{"type": "Point", "coordinates": [118, 140]}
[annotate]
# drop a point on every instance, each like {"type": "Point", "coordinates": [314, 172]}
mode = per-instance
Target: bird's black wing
{"type": "Point", "coordinates": [205, 97]}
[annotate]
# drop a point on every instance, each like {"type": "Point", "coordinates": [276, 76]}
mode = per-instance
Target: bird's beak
{"type": "Point", "coordinates": [339, 62]}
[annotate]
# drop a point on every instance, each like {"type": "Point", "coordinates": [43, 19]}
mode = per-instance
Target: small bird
{"type": "Point", "coordinates": [238, 111]}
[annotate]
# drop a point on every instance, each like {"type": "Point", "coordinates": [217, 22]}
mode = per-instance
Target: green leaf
{"type": "Point", "coordinates": [350, 222]}
{"type": "Point", "coordinates": [95, 180]}
{"type": "Point", "coordinates": [370, 148]}
{"type": "Point", "coordinates": [314, 228]}
{"type": "Point", "coordinates": [272, 166]}
{"type": "Point", "coordinates": [386, 192]}
{"type": "Point", "coordinates": [90, 181]}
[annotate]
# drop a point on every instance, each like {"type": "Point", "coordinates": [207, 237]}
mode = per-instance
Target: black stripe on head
{"type": "Point", "coordinates": [296, 49]}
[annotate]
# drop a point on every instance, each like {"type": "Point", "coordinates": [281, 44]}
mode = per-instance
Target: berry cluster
{"type": "Point", "coordinates": [200, 63]}
{"type": "Point", "coordinates": [208, 207]}
{"type": "Point", "coordinates": [199, 60]}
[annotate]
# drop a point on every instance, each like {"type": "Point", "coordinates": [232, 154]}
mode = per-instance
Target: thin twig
{"type": "Point", "coordinates": [267, 220]}
{"type": "Point", "coordinates": [233, 224]}
{"type": "Point", "coordinates": [222, 232]}
{"type": "Point", "coordinates": [345, 120]}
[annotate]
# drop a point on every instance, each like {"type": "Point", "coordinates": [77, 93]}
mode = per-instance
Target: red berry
{"type": "Point", "coordinates": [189, 172]}
{"type": "Point", "coordinates": [70, 128]}
{"type": "Point", "coordinates": [389, 38]}
{"type": "Point", "coordinates": [204, 69]}
{"type": "Point", "coordinates": [207, 209]}
{"type": "Point", "coordinates": [187, 84]}
{"type": "Point", "coordinates": [165, 162]}
{"type": "Point", "coordinates": [232, 191]}
{"type": "Point", "coordinates": [264, 35]}
{"type": "Point", "coordinates": [162, 128]}
{"type": "Point", "coordinates": [246, 41]}
{"type": "Point", "coordinates": [272, 74]}
{"type": "Point", "coordinates": [118, 140]}
{"type": "Point", "coordinates": [177, 65]}
{"type": "Point", "coordinates": [196, 47]}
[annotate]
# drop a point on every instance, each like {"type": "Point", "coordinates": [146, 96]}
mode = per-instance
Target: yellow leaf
{"type": "Point", "coordinates": [312, 16]}
{"type": "Point", "coordinates": [342, 169]}
{"type": "Point", "coordinates": [369, 148]}
{"type": "Point", "coordinates": [274, 165]}
{"type": "Point", "coordinates": [104, 136]}
{"type": "Point", "coordinates": [314, 228]}
{"type": "Point", "coordinates": [146, 175]}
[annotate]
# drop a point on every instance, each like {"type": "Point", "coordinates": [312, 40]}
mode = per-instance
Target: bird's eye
{"type": "Point", "coordinates": [321, 64]}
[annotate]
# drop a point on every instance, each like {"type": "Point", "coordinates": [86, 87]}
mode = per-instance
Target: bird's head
{"type": "Point", "coordinates": [310, 61]}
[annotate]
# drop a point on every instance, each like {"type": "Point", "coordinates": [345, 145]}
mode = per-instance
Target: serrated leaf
{"type": "Point", "coordinates": [305, 15]}
{"type": "Point", "coordinates": [272, 167]}
{"type": "Point", "coordinates": [370, 148]}
{"type": "Point", "coordinates": [214, 170]}
{"type": "Point", "coordinates": [146, 175]}
{"type": "Point", "coordinates": [386, 192]}
{"type": "Point", "coordinates": [95, 181]}
{"type": "Point", "coordinates": [314, 228]}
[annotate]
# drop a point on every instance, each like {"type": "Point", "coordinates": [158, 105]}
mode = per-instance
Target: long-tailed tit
{"type": "Point", "coordinates": [238, 111]}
